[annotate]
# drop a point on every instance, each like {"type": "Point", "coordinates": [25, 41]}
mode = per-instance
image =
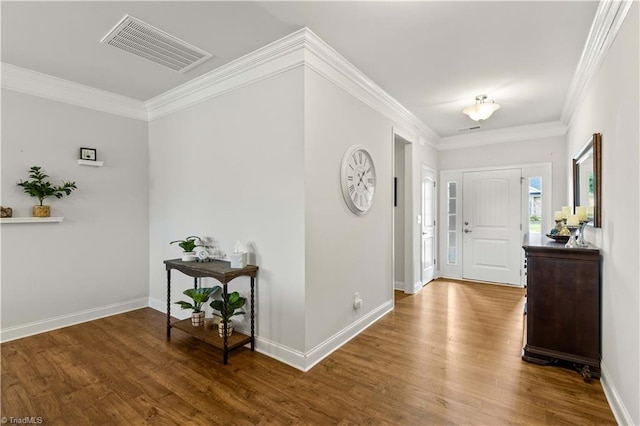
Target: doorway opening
{"type": "Point", "coordinates": [401, 168]}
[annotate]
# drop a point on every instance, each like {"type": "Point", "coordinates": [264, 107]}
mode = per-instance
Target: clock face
{"type": "Point", "coordinates": [358, 179]}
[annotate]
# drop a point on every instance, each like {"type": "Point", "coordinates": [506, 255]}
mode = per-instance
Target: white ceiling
{"type": "Point", "coordinates": [433, 57]}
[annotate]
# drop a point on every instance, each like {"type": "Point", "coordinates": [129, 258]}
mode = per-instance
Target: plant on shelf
{"type": "Point", "coordinates": [188, 246]}
{"type": "Point", "coordinates": [41, 188]}
{"type": "Point", "coordinates": [227, 310]}
{"type": "Point", "coordinates": [199, 296]}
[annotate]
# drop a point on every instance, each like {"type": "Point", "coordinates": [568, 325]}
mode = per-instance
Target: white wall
{"type": "Point", "coordinates": [345, 253]}
{"type": "Point", "coordinates": [94, 263]}
{"type": "Point", "coordinates": [261, 163]}
{"type": "Point", "coordinates": [611, 108]}
{"type": "Point", "coordinates": [546, 150]}
{"type": "Point", "coordinates": [232, 168]}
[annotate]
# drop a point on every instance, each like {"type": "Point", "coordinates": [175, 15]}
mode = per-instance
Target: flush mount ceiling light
{"type": "Point", "coordinates": [482, 109]}
{"type": "Point", "coordinates": [145, 40]}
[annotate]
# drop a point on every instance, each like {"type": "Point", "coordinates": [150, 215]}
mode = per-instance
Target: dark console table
{"type": "Point", "coordinates": [221, 271]}
{"type": "Point", "coordinates": [563, 305]}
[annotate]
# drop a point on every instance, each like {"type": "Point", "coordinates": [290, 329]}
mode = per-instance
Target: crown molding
{"type": "Point", "coordinates": [326, 61]}
{"type": "Point", "coordinates": [509, 134]}
{"type": "Point", "coordinates": [46, 86]}
{"type": "Point", "coordinates": [607, 22]}
{"type": "Point", "coordinates": [301, 48]}
{"type": "Point", "coordinates": [275, 58]}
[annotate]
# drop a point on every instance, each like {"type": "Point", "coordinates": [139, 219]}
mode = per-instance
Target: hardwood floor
{"type": "Point", "coordinates": [448, 355]}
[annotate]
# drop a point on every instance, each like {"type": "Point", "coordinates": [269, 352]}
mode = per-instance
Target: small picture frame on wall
{"type": "Point", "coordinates": [89, 154]}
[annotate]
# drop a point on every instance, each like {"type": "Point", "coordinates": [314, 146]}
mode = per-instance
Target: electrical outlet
{"type": "Point", "coordinates": [357, 301]}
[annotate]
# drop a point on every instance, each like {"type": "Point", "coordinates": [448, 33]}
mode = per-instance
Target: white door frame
{"type": "Point", "coordinates": [424, 171]}
{"type": "Point", "coordinates": [398, 134]}
{"type": "Point", "coordinates": [455, 175]}
{"type": "Point", "coordinates": [412, 229]}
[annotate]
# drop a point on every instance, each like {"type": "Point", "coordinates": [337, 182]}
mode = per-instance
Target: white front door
{"type": "Point", "coordinates": [428, 225]}
{"type": "Point", "coordinates": [491, 226]}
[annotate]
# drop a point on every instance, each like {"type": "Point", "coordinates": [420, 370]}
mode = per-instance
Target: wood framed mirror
{"type": "Point", "coordinates": [587, 179]}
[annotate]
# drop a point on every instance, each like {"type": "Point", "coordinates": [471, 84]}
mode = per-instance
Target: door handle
{"type": "Point", "coordinates": [466, 231]}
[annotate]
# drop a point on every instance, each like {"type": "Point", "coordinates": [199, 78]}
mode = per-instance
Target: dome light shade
{"type": "Point", "coordinates": [482, 109]}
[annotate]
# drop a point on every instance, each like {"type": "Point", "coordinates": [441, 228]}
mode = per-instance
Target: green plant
{"type": "Point", "coordinates": [189, 243]}
{"type": "Point", "coordinates": [227, 310]}
{"type": "Point", "coordinates": [41, 188]}
{"type": "Point", "coordinates": [199, 297]}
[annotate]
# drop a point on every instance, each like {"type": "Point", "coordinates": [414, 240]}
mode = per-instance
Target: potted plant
{"type": "Point", "coordinates": [42, 189]}
{"type": "Point", "coordinates": [199, 296]}
{"type": "Point", "coordinates": [188, 245]}
{"type": "Point", "coordinates": [227, 310]}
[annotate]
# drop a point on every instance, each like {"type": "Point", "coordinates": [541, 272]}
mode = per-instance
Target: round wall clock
{"type": "Point", "coordinates": [358, 179]}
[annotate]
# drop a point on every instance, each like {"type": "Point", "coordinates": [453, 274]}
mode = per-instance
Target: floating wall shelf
{"type": "Point", "coordinates": [91, 163]}
{"type": "Point", "coordinates": [31, 219]}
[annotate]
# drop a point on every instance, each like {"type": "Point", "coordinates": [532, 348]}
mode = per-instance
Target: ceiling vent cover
{"type": "Point", "coordinates": [138, 37]}
{"type": "Point", "coordinates": [468, 129]}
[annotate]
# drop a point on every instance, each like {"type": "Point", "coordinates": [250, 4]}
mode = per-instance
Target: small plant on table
{"type": "Point", "coordinates": [227, 310]}
{"type": "Point", "coordinates": [188, 246]}
{"type": "Point", "coordinates": [199, 296]}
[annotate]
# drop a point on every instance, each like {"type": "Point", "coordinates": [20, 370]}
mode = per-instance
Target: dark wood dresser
{"type": "Point", "coordinates": [563, 307]}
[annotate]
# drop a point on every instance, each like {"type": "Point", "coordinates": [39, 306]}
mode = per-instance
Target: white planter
{"type": "Point", "coordinates": [189, 256]}
{"type": "Point", "coordinates": [197, 319]}
{"type": "Point", "coordinates": [221, 328]}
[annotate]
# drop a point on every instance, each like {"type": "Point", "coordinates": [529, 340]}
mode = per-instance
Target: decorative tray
{"type": "Point", "coordinates": [559, 238]}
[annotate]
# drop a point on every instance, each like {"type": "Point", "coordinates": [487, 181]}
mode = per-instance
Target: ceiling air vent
{"type": "Point", "coordinates": [138, 37]}
{"type": "Point", "coordinates": [468, 129]}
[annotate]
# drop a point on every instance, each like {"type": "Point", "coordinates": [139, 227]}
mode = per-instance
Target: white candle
{"type": "Point", "coordinates": [557, 215]}
{"type": "Point", "coordinates": [581, 212]}
{"type": "Point", "coordinates": [566, 211]}
{"type": "Point", "coordinates": [572, 220]}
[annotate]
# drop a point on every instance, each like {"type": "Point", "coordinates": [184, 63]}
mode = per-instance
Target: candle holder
{"type": "Point", "coordinates": [572, 243]}
{"type": "Point", "coordinates": [581, 242]}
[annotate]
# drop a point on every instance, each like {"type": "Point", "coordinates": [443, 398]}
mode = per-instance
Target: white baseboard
{"type": "Point", "coordinates": [324, 349]}
{"type": "Point", "coordinates": [37, 327]}
{"type": "Point", "coordinates": [286, 355]}
{"type": "Point", "coordinates": [158, 305]}
{"type": "Point", "coordinates": [417, 286]}
{"type": "Point", "coordinates": [161, 306]}
{"type": "Point", "coordinates": [306, 360]}
{"type": "Point", "coordinates": [618, 408]}
{"type": "Point", "coordinates": [398, 285]}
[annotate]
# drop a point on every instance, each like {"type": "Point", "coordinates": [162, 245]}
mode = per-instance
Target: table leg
{"type": "Point", "coordinates": [225, 339]}
{"type": "Point", "coordinates": [195, 283]}
{"type": "Point", "coordinates": [253, 329]}
{"type": "Point", "coordinates": [169, 304]}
